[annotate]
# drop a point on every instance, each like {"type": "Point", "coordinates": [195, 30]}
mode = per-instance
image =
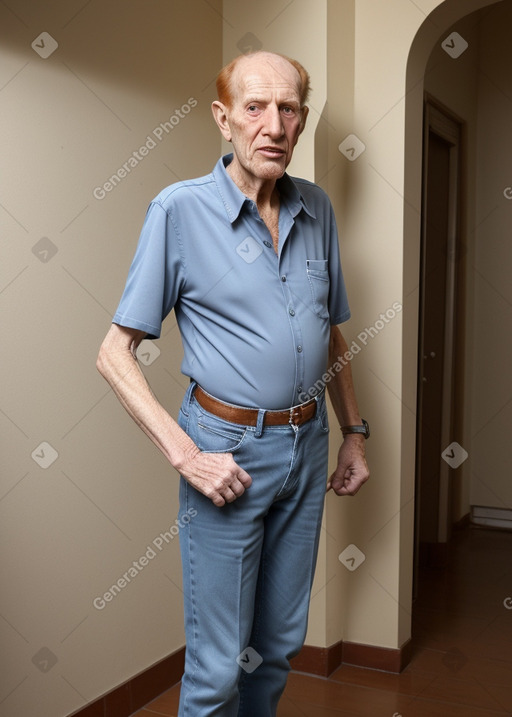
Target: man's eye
{"type": "Point", "coordinates": [252, 108]}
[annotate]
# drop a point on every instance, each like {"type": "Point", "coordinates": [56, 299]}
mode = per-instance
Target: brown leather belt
{"type": "Point", "coordinates": [249, 416]}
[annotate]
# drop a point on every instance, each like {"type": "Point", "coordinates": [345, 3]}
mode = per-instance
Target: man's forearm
{"type": "Point", "coordinates": [217, 476]}
{"type": "Point", "coordinates": [352, 470]}
{"type": "Point", "coordinates": [341, 388]}
{"type": "Point", "coordinates": [119, 367]}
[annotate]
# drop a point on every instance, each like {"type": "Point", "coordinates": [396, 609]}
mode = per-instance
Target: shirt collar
{"type": "Point", "coordinates": [234, 199]}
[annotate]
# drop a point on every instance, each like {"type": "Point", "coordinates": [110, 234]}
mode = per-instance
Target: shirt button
{"type": "Point", "coordinates": [267, 243]}
{"type": "Point", "coordinates": [299, 390]}
{"type": "Point", "coordinates": [299, 349]}
{"type": "Point", "coordinates": [283, 278]}
{"type": "Point", "coordinates": [291, 312]}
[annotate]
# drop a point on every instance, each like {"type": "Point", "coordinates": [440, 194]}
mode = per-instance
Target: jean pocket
{"type": "Point", "coordinates": [214, 435]}
{"type": "Point", "coordinates": [318, 278]}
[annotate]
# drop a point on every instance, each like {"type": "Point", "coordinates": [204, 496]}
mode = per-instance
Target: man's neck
{"type": "Point", "coordinates": [262, 191]}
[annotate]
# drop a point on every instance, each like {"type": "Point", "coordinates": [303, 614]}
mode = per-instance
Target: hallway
{"type": "Point", "coordinates": [462, 662]}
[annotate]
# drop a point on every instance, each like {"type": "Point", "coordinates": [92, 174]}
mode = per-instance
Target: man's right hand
{"type": "Point", "coordinates": [216, 475]}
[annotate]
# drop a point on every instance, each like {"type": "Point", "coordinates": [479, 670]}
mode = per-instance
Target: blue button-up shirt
{"type": "Point", "coordinates": [255, 325]}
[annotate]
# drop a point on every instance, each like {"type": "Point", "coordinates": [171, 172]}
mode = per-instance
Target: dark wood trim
{"type": "Point", "coordinates": [318, 660]}
{"type": "Point", "coordinates": [137, 692]}
{"type": "Point", "coordinates": [377, 658]}
{"type": "Point", "coordinates": [322, 661]}
{"type": "Point", "coordinates": [463, 522]}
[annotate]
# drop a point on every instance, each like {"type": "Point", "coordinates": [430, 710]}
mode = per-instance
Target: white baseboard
{"type": "Point", "coordinates": [491, 517]}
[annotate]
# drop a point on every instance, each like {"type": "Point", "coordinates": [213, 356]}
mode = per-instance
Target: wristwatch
{"type": "Point", "coordinates": [364, 429]}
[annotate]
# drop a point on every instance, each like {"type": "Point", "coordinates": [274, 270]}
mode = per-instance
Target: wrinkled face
{"type": "Point", "coordinates": [265, 120]}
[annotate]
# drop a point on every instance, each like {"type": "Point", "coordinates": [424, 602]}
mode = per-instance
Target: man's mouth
{"type": "Point", "coordinates": [274, 152]}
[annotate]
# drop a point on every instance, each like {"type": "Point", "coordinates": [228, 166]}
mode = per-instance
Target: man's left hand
{"type": "Point", "coordinates": [352, 470]}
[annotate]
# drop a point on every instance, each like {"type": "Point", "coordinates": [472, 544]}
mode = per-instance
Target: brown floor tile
{"type": "Point", "coordinates": [357, 700]}
{"type": "Point", "coordinates": [164, 706]}
{"type": "Point", "coordinates": [502, 694]}
{"type": "Point", "coordinates": [429, 708]}
{"type": "Point", "coordinates": [411, 683]}
{"type": "Point", "coordinates": [471, 693]}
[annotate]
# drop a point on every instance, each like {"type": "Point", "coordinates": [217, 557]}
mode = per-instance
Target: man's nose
{"type": "Point", "coordinates": [273, 122]}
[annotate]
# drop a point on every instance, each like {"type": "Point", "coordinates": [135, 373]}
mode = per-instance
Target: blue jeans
{"type": "Point", "coordinates": [248, 566]}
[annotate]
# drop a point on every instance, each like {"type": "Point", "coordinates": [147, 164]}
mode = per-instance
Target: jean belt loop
{"type": "Point", "coordinates": [189, 393]}
{"type": "Point", "coordinates": [259, 423]}
{"type": "Point", "coordinates": [320, 395]}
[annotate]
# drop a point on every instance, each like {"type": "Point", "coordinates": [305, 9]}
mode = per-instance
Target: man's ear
{"type": "Point", "coordinates": [304, 111]}
{"type": "Point", "coordinates": [221, 118]}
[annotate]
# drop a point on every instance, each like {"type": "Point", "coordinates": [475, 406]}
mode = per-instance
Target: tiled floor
{"type": "Point", "coordinates": [462, 662]}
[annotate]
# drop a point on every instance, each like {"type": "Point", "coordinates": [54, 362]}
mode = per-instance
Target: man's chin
{"type": "Point", "coordinates": [260, 169]}
{"type": "Point", "coordinates": [271, 168]}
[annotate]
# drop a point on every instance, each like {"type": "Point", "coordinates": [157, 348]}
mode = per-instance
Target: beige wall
{"type": "Point", "coordinates": [70, 530]}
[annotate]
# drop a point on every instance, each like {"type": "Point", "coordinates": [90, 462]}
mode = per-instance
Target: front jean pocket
{"type": "Point", "coordinates": [318, 278]}
{"type": "Point", "coordinates": [213, 435]}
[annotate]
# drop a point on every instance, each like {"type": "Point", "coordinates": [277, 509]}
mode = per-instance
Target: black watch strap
{"type": "Point", "coordinates": [364, 429]}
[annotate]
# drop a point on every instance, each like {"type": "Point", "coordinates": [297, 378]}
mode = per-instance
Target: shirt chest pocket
{"type": "Point", "coordinates": [318, 279]}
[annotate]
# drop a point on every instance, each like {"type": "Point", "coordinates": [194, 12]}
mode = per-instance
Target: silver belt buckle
{"type": "Point", "coordinates": [295, 415]}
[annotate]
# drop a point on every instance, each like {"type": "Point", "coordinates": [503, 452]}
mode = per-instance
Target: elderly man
{"type": "Point", "coordinates": [248, 258]}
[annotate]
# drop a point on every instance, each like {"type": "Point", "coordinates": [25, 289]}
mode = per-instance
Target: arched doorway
{"type": "Point", "coordinates": [463, 84]}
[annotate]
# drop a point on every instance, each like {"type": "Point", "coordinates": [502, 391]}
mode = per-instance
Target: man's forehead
{"type": "Point", "coordinates": [259, 73]}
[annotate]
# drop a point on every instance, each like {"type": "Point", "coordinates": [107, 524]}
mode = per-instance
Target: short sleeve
{"type": "Point", "coordinates": [155, 276]}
